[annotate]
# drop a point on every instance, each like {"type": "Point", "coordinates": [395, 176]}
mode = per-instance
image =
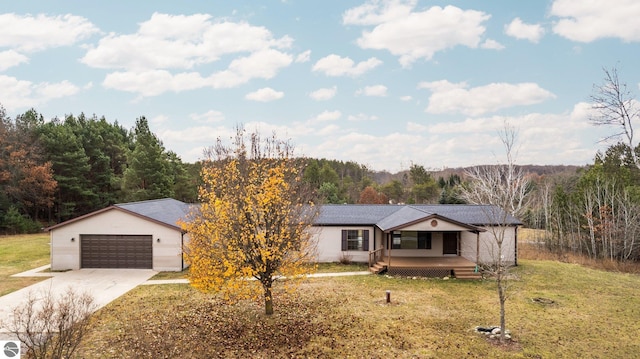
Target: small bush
{"type": "Point", "coordinates": [52, 326]}
{"type": "Point", "coordinates": [346, 258]}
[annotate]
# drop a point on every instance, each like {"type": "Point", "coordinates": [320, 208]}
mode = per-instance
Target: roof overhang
{"type": "Point", "coordinates": [468, 227]}
{"type": "Point", "coordinates": [112, 208]}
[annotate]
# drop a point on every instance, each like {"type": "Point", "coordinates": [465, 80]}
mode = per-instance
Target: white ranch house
{"type": "Point", "coordinates": [402, 239]}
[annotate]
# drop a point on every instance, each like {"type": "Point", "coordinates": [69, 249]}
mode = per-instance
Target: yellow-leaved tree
{"type": "Point", "coordinates": [254, 221]}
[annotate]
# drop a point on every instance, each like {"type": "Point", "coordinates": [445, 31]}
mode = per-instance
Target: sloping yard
{"type": "Point", "coordinates": [555, 310]}
{"type": "Point", "coordinates": [18, 254]}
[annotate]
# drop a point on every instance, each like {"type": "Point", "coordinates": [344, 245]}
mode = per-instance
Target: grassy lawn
{"type": "Point", "coordinates": [18, 254]}
{"type": "Point", "coordinates": [322, 268]}
{"type": "Point", "coordinates": [593, 314]}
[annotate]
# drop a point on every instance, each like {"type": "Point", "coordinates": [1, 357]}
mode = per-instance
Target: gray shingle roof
{"type": "Point", "coordinates": [391, 216]}
{"type": "Point", "coordinates": [166, 210]}
{"type": "Point", "coordinates": [169, 211]}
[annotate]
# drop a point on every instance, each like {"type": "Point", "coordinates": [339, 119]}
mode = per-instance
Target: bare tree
{"type": "Point", "coordinates": [615, 105]}
{"type": "Point", "coordinates": [506, 188]}
{"type": "Point", "coordinates": [52, 326]}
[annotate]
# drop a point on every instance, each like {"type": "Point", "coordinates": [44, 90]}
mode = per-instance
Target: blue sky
{"type": "Point", "coordinates": [383, 83]}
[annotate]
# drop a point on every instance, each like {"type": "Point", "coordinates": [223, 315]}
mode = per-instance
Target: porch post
{"type": "Point", "coordinates": [390, 245]}
{"type": "Point", "coordinates": [477, 248]}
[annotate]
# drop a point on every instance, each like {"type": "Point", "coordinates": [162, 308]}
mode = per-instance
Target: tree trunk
{"type": "Point", "coordinates": [268, 299]}
{"type": "Point", "coordinates": [503, 299]}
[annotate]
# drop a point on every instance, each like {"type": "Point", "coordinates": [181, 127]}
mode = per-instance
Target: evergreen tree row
{"type": "Point", "coordinates": [51, 171]}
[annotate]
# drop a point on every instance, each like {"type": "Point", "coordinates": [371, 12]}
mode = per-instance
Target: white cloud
{"type": "Point", "coordinates": [28, 33]}
{"type": "Point", "coordinates": [11, 58]}
{"type": "Point", "coordinates": [362, 117]}
{"type": "Point", "coordinates": [432, 30]}
{"type": "Point", "coordinates": [406, 98]}
{"type": "Point", "coordinates": [304, 56]}
{"type": "Point", "coordinates": [20, 93]}
{"type": "Point", "coordinates": [263, 64]}
{"type": "Point", "coordinates": [520, 30]}
{"type": "Point", "coordinates": [210, 116]}
{"type": "Point", "coordinates": [328, 130]}
{"type": "Point", "coordinates": [566, 137]}
{"type": "Point", "coordinates": [266, 94]}
{"type": "Point", "coordinates": [413, 127]}
{"type": "Point", "coordinates": [587, 21]}
{"type": "Point", "coordinates": [491, 45]}
{"type": "Point", "coordinates": [324, 94]}
{"type": "Point", "coordinates": [374, 91]}
{"type": "Point", "coordinates": [326, 116]}
{"type": "Point", "coordinates": [180, 42]}
{"type": "Point", "coordinates": [166, 45]}
{"type": "Point", "coordinates": [153, 82]}
{"type": "Point", "coordinates": [334, 65]}
{"type": "Point", "coordinates": [449, 97]}
{"type": "Point", "coordinates": [378, 12]}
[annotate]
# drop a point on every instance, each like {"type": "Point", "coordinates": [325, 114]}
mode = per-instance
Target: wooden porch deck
{"type": "Point", "coordinates": [456, 266]}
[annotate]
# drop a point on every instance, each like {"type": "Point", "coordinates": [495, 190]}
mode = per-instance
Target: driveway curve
{"type": "Point", "coordinates": [104, 285]}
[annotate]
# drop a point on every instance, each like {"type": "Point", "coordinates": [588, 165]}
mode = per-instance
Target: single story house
{"type": "Point", "coordinates": [402, 239]}
{"type": "Point", "coordinates": [432, 240]}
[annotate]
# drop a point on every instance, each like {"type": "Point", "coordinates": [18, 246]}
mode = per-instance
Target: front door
{"type": "Point", "coordinates": [450, 243]}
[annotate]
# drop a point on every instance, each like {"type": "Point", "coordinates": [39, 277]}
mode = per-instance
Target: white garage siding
{"type": "Point", "coordinates": [166, 240]}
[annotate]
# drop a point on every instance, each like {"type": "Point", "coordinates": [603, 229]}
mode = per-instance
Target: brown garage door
{"type": "Point", "coordinates": [116, 251]}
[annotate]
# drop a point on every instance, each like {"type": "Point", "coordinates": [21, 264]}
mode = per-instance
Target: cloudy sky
{"type": "Point", "coordinates": [383, 83]}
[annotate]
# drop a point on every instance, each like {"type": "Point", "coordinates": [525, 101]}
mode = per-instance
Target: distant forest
{"type": "Point", "coordinates": [52, 171]}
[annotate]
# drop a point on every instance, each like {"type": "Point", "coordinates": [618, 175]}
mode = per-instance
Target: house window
{"type": "Point", "coordinates": [355, 240]}
{"type": "Point", "coordinates": [411, 240]}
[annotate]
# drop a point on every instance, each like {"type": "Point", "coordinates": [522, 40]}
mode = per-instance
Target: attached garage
{"type": "Point", "coordinates": [143, 234]}
{"type": "Point", "coordinates": [116, 251]}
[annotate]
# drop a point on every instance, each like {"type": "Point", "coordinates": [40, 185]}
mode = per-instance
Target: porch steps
{"type": "Point", "coordinates": [466, 273]}
{"type": "Point", "coordinates": [378, 267]}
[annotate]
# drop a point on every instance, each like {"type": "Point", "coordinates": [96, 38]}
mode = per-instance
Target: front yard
{"type": "Point", "coordinates": [585, 313]}
{"type": "Point", "coordinates": [557, 310]}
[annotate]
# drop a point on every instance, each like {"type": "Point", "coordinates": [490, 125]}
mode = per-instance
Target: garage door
{"type": "Point", "coordinates": [116, 251]}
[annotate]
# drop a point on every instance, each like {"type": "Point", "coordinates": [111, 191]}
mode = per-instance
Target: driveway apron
{"type": "Point", "coordinates": [104, 285]}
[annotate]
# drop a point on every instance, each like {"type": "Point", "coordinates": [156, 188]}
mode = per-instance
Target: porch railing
{"type": "Point", "coordinates": [375, 256]}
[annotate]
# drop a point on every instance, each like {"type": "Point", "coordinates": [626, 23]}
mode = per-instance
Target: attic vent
{"type": "Point", "coordinates": [434, 223]}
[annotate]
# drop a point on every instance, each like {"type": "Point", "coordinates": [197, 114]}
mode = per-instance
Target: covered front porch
{"type": "Point", "coordinates": [446, 266]}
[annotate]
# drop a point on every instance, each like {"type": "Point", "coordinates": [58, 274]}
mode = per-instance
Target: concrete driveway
{"type": "Point", "coordinates": [104, 285]}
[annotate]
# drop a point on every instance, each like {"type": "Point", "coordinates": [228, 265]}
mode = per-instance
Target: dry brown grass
{"type": "Point", "coordinates": [586, 313]}
{"type": "Point", "coordinates": [538, 252]}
